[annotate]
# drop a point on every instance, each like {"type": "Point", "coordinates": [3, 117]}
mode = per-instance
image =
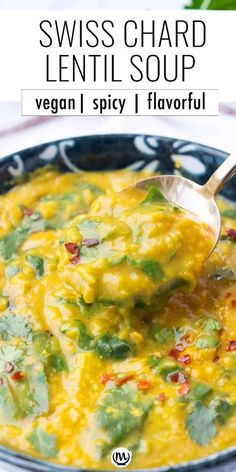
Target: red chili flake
{"type": "Point", "coordinates": [17, 376]}
{"type": "Point", "coordinates": [231, 233]}
{"type": "Point", "coordinates": [75, 259]}
{"type": "Point", "coordinates": [90, 242]}
{"type": "Point", "coordinates": [233, 303]}
{"type": "Point", "coordinates": [184, 389]}
{"type": "Point", "coordinates": [9, 367]}
{"type": "Point", "coordinates": [216, 358]}
{"type": "Point", "coordinates": [27, 211]}
{"type": "Point", "coordinates": [177, 377]}
{"type": "Point", "coordinates": [231, 346]}
{"type": "Point", "coordinates": [174, 354]}
{"type": "Point", "coordinates": [187, 339]}
{"type": "Point", "coordinates": [73, 248]}
{"type": "Point", "coordinates": [106, 377]}
{"type": "Point", "coordinates": [143, 384]}
{"type": "Point", "coordinates": [185, 359]}
{"type": "Point", "coordinates": [161, 397]}
{"type": "Point", "coordinates": [123, 380]}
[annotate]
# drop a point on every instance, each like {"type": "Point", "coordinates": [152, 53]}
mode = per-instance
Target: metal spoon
{"type": "Point", "coordinates": [199, 200]}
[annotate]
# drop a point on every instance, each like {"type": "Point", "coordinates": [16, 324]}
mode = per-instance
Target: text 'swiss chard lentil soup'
{"type": "Point", "coordinates": [106, 339]}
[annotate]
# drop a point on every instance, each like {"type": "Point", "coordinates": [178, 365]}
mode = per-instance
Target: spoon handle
{"type": "Point", "coordinates": [221, 175]}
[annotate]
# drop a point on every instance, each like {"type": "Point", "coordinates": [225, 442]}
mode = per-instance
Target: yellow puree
{"type": "Point", "coordinates": [108, 341]}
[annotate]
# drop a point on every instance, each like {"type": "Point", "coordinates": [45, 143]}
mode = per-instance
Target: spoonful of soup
{"type": "Point", "coordinates": [136, 247]}
{"type": "Point", "coordinates": [197, 200]}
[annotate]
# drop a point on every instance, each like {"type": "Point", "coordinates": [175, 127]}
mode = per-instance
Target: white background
{"type": "Point", "coordinates": [23, 59]}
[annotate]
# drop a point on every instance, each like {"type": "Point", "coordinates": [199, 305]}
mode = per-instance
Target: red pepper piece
{"type": "Point", "coordinates": [161, 397]}
{"type": "Point", "coordinates": [106, 377]}
{"type": "Point", "coordinates": [9, 367]}
{"type": "Point", "coordinates": [231, 346]}
{"type": "Point", "coordinates": [177, 377]}
{"type": "Point", "coordinates": [143, 384]}
{"type": "Point", "coordinates": [216, 358]}
{"type": "Point", "coordinates": [75, 259]}
{"type": "Point", "coordinates": [184, 389]}
{"type": "Point", "coordinates": [233, 303]}
{"type": "Point", "coordinates": [90, 242]}
{"type": "Point", "coordinates": [179, 347]}
{"type": "Point", "coordinates": [123, 380]}
{"type": "Point", "coordinates": [17, 376]}
{"type": "Point", "coordinates": [27, 211]}
{"type": "Point", "coordinates": [231, 233]}
{"type": "Point", "coordinates": [73, 248]}
{"type": "Point", "coordinates": [185, 359]}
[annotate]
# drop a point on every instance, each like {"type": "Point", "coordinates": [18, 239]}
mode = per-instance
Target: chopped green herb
{"type": "Point", "coordinates": [212, 325]}
{"type": "Point", "coordinates": [14, 325]}
{"type": "Point", "coordinates": [77, 330]}
{"type": "Point", "coordinates": [121, 412]}
{"type": "Point", "coordinates": [231, 213]}
{"type": "Point", "coordinates": [11, 270]}
{"type": "Point", "coordinates": [111, 347]}
{"type": "Point", "coordinates": [154, 195]}
{"type": "Point", "coordinates": [200, 424]}
{"type": "Point", "coordinates": [37, 263]}
{"type": "Point", "coordinates": [45, 443]}
{"type": "Point", "coordinates": [208, 342]}
{"type": "Point", "coordinates": [200, 390]}
{"type": "Point", "coordinates": [163, 335]}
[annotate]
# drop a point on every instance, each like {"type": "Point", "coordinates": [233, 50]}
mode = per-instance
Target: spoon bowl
{"type": "Point", "coordinates": [198, 200]}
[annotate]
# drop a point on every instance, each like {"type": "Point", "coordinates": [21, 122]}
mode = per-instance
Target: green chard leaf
{"type": "Point", "coordinates": [32, 390]}
{"type": "Point", "coordinates": [9, 408]}
{"type": "Point", "coordinates": [154, 195]}
{"type": "Point", "coordinates": [231, 213]}
{"type": "Point", "coordinates": [150, 267]}
{"type": "Point", "coordinates": [45, 443]}
{"type": "Point", "coordinates": [37, 263]}
{"type": "Point", "coordinates": [111, 347]}
{"type": "Point", "coordinates": [14, 325]}
{"type": "Point", "coordinates": [122, 411]}
{"type": "Point", "coordinates": [77, 329]}
{"type": "Point", "coordinates": [212, 325]}
{"type": "Point", "coordinates": [10, 243]}
{"type": "Point", "coordinates": [200, 424]}
{"type": "Point", "coordinates": [164, 366]}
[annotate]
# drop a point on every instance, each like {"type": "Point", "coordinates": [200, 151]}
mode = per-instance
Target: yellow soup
{"type": "Point", "coordinates": [106, 338]}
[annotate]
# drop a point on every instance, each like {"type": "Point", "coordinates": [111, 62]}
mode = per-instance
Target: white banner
{"type": "Point", "coordinates": [121, 53]}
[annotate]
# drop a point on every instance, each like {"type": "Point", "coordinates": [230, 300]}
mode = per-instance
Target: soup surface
{"type": "Point", "coordinates": [106, 339]}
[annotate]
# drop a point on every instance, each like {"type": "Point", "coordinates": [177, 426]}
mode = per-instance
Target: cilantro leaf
{"type": "Point", "coordinates": [111, 347]}
{"type": "Point", "coordinates": [10, 243]}
{"type": "Point", "coordinates": [200, 424]}
{"type": "Point", "coordinates": [154, 195]}
{"type": "Point", "coordinates": [200, 390]}
{"type": "Point", "coordinates": [14, 325]}
{"type": "Point", "coordinates": [45, 443]}
{"type": "Point", "coordinates": [212, 325]}
{"type": "Point", "coordinates": [9, 353]}
{"type": "Point", "coordinates": [212, 5]}
{"type": "Point", "coordinates": [121, 412]}
{"type": "Point", "coordinates": [231, 213]}
{"type": "Point", "coordinates": [37, 263]}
